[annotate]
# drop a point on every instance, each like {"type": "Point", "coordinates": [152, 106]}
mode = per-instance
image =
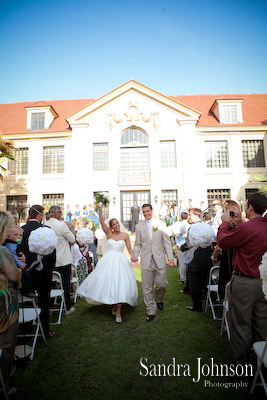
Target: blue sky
{"type": "Point", "coordinates": [65, 49]}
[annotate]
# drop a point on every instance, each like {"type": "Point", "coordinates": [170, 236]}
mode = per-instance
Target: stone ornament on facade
{"type": "Point", "coordinates": [16, 186]}
{"type": "Point", "coordinates": [133, 115]}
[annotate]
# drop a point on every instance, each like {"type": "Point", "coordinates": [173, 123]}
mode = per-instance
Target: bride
{"type": "Point", "coordinates": [113, 280]}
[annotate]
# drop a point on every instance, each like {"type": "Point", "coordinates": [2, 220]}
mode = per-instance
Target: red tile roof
{"type": "Point", "coordinates": [254, 107]}
{"type": "Point", "coordinates": [13, 116]}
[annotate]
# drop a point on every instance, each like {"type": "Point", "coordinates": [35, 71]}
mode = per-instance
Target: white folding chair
{"type": "Point", "coordinates": [3, 386]}
{"type": "Point", "coordinates": [212, 291]}
{"type": "Point", "coordinates": [55, 294]}
{"type": "Point", "coordinates": [74, 280]}
{"type": "Point", "coordinates": [225, 311]}
{"type": "Point", "coordinates": [260, 349]}
{"type": "Point", "coordinates": [29, 314]}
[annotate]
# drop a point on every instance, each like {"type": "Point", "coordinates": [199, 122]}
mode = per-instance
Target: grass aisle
{"type": "Point", "coordinates": [92, 357]}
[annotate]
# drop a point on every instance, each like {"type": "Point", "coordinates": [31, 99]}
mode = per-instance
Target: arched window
{"type": "Point", "coordinates": [133, 136]}
{"type": "Point", "coordinates": [134, 150]}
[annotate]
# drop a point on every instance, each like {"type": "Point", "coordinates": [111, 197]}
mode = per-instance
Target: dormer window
{"type": "Point", "coordinates": [38, 121]}
{"type": "Point", "coordinates": [230, 114]}
{"type": "Point", "coordinates": [40, 116]}
{"type": "Point", "coordinates": [228, 111]}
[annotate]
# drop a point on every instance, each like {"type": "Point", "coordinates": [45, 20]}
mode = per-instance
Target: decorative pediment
{"type": "Point", "coordinates": [134, 113]}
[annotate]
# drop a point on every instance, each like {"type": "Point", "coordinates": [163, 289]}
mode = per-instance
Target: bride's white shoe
{"type": "Point", "coordinates": [118, 320]}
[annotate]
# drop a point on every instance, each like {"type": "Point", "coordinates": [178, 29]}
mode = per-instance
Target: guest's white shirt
{"type": "Point", "coordinates": [217, 221]}
{"type": "Point", "coordinates": [65, 238]}
{"type": "Point", "coordinates": [76, 254]}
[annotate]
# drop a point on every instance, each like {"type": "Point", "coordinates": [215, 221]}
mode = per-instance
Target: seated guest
{"type": "Point", "coordinates": [80, 263]}
{"type": "Point", "coordinates": [10, 276]}
{"type": "Point", "coordinates": [13, 238]}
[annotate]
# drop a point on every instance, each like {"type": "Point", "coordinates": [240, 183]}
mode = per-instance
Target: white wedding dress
{"type": "Point", "coordinates": [113, 280]}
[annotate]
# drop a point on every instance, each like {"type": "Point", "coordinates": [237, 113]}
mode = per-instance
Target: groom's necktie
{"type": "Point", "coordinates": [150, 227]}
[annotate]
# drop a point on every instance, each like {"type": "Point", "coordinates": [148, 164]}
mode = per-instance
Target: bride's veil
{"type": "Point", "coordinates": [102, 244]}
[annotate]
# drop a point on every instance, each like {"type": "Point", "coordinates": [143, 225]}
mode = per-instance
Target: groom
{"type": "Point", "coordinates": [150, 240]}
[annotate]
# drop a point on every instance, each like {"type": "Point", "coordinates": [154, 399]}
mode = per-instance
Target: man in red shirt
{"type": "Point", "coordinates": [247, 305]}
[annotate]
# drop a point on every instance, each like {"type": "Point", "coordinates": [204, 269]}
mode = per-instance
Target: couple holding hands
{"type": "Point", "coordinates": [113, 281]}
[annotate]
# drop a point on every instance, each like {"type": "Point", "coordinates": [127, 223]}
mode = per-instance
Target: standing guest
{"type": "Point", "coordinates": [201, 205]}
{"type": "Point", "coordinates": [64, 257]}
{"type": "Point", "coordinates": [68, 213]}
{"type": "Point", "coordinates": [16, 217]}
{"type": "Point", "coordinates": [172, 212]}
{"type": "Point", "coordinates": [152, 242]}
{"type": "Point", "coordinates": [225, 256]}
{"type": "Point", "coordinates": [92, 246]}
{"type": "Point", "coordinates": [217, 220]}
{"type": "Point", "coordinates": [180, 208]}
{"type": "Point", "coordinates": [135, 211]}
{"type": "Point", "coordinates": [207, 218]}
{"type": "Point", "coordinates": [77, 210]}
{"type": "Point", "coordinates": [10, 276]}
{"type": "Point", "coordinates": [91, 212]}
{"type": "Point", "coordinates": [247, 305]}
{"type": "Point", "coordinates": [179, 230]}
{"type": "Point", "coordinates": [199, 267]}
{"type": "Point", "coordinates": [85, 212]}
{"type": "Point", "coordinates": [47, 216]}
{"type": "Point", "coordinates": [79, 224]}
{"type": "Point", "coordinates": [163, 211]}
{"type": "Point", "coordinates": [41, 280]}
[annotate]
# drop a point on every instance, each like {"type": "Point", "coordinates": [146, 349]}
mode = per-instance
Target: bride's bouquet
{"type": "Point", "coordinates": [263, 273]}
{"type": "Point", "coordinates": [101, 198]}
{"type": "Point", "coordinates": [85, 235]}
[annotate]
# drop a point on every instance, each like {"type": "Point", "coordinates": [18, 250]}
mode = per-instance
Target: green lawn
{"type": "Point", "coordinates": [92, 357]}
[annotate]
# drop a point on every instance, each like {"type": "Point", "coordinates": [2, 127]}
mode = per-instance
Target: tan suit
{"type": "Point", "coordinates": [153, 262]}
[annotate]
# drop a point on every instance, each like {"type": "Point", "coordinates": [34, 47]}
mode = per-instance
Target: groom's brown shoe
{"type": "Point", "coordinates": [150, 318]}
{"type": "Point", "coordinates": [160, 306]}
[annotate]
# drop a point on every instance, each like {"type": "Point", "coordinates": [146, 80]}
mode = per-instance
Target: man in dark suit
{"type": "Point", "coordinates": [41, 280]}
{"type": "Point", "coordinates": [135, 211]}
{"type": "Point", "coordinates": [199, 267]}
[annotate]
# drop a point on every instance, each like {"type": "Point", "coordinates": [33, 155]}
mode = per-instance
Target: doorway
{"type": "Point", "coordinates": [127, 199]}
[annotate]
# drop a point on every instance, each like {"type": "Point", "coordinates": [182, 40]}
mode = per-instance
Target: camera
{"type": "Point", "coordinates": [232, 213]}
